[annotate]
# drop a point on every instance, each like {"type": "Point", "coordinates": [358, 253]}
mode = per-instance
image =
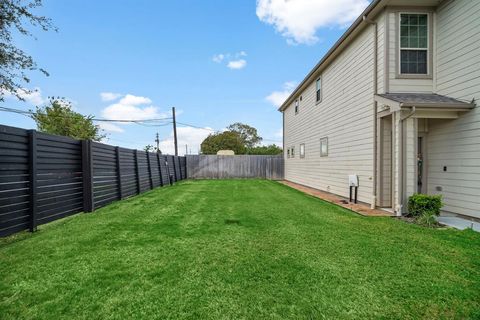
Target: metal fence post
{"type": "Point", "coordinates": [149, 169]}
{"type": "Point", "coordinates": [32, 139]}
{"type": "Point", "coordinates": [87, 172]}
{"type": "Point", "coordinates": [185, 164]}
{"type": "Point", "coordinates": [159, 169]}
{"type": "Point", "coordinates": [137, 173]}
{"type": "Point", "coordinates": [119, 172]}
{"type": "Point", "coordinates": [174, 169]}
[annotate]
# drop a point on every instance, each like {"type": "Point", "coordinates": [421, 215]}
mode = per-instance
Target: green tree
{"type": "Point", "coordinates": [227, 140]}
{"type": "Point", "coordinates": [57, 117]}
{"type": "Point", "coordinates": [14, 62]}
{"type": "Point", "coordinates": [148, 148]}
{"type": "Point", "coordinates": [248, 134]}
{"type": "Point", "coordinates": [265, 150]}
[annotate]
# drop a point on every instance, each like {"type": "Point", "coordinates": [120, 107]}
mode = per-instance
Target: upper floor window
{"type": "Point", "coordinates": [414, 39]}
{"type": "Point", "coordinates": [292, 153]}
{"type": "Point", "coordinates": [296, 106]}
{"type": "Point", "coordinates": [319, 89]}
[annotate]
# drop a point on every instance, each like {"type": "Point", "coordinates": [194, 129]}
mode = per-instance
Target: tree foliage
{"type": "Point", "coordinates": [248, 134]}
{"type": "Point", "coordinates": [265, 150]}
{"type": "Point", "coordinates": [57, 117]}
{"type": "Point", "coordinates": [14, 62]}
{"type": "Point", "coordinates": [149, 148]}
{"type": "Point", "coordinates": [227, 140]}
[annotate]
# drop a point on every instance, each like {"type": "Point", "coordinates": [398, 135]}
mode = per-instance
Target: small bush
{"type": "Point", "coordinates": [424, 208]}
{"type": "Point", "coordinates": [420, 204]}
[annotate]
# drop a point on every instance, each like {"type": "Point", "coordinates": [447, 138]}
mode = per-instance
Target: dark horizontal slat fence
{"type": "Point", "coordinates": [239, 166]}
{"type": "Point", "coordinates": [45, 177]}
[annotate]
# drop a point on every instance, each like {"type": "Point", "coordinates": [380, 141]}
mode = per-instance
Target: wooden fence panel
{"type": "Point", "coordinates": [46, 177]}
{"type": "Point", "coordinates": [143, 174]}
{"type": "Point", "coordinates": [15, 207]}
{"type": "Point", "coordinates": [178, 174]}
{"type": "Point", "coordinates": [183, 168]}
{"type": "Point", "coordinates": [105, 179]}
{"type": "Point", "coordinates": [171, 167]}
{"type": "Point", "coordinates": [58, 177]}
{"type": "Point", "coordinates": [228, 167]}
{"type": "Point", "coordinates": [128, 175]}
{"type": "Point", "coordinates": [164, 170]}
{"type": "Point", "coordinates": [154, 169]}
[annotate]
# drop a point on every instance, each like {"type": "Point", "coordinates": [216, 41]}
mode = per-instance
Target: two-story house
{"type": "Point", "coordinates": [393, 101]}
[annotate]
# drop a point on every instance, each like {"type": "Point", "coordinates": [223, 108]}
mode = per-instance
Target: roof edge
{"type": "Point", "coordinates": [337, 44]}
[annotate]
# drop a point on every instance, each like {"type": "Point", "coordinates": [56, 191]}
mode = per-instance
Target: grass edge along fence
{"type": "Point", "coordinates": [45, 177]}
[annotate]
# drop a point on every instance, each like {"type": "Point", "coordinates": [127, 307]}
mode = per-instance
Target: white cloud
{"type": "Point", "coordinates": [299, 20]}
{"type": "Point", "coordinates": [33, 97]}
{"type": "Point", "coordinates": [192, 137]}
{"type": "Point", "coordinates": [237, 64]}
{"type": "Point", "coordinates": [110, 96]}
{"type": "Point", "coordinates": [218, 58]}
{"type": "Point", "coordinates": [110, 127]}
{"type": "Point", "coordinates": [234, 61]}
{"type": "Point", "coordinates": [130, 99]}
{"type": "Point", "coordinates": [131, 107]}
{"type": "Point", "coordinates": [277, 98]}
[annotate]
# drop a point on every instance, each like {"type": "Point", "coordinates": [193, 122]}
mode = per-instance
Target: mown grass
{"type": "Point", "coordinates": [237, 249]}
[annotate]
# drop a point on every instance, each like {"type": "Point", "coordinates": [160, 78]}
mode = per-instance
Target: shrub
{"type": "Point", "coordinates": [427, 220]}
{"type": "Point", "coordinates": [420, 204]}
{"type": "Point", "coordinates": [424, 208]}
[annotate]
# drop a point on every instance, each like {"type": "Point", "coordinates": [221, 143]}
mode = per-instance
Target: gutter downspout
{"type": "Point", "coordinates": [375, 105]}
{"type": "Point", "coordinates": [401, 156]}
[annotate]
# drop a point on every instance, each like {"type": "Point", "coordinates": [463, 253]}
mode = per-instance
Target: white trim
{"type": "Point", "coordinates": [399, 42]}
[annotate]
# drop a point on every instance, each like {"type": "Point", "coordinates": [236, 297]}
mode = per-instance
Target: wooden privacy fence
{"type": "Point", "coordinates": [241, 166]}
{"type": "Point", "coordinates": [45, 177]}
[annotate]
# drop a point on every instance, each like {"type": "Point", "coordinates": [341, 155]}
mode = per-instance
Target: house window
{"type": "Point", "coordinates": [319, 89]}
{"type": "Point", "coordinates": [414, 38]}
{"type": "Point", "coordinates": [302, 150]}
{"type": "Point", "coordinates": [288, 153]}
{"type": "Point", "coordinates": [296, 106]}
{"type": "Point", "coordinates": [293, 152]}
{"type": "Point", "coordinates": [324, 147]}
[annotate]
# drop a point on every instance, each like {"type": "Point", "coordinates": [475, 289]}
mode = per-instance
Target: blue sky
{"type": "Point", "coordinates": [217, 62]}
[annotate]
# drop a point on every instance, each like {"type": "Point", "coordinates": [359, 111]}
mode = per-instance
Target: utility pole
{"type": "Point", "coordinates": [157, 140]}
{"type": "Point", "coordinates": [175, 131]}
{"type": "Point", "coordinates": [186, 149]}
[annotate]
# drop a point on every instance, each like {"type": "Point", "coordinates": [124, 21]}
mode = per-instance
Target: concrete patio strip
{"type": "Point", "coordinates": [360, 208]}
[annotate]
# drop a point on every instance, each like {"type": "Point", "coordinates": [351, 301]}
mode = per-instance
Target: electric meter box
{"type": "Point", "coordinates": [352, 180]}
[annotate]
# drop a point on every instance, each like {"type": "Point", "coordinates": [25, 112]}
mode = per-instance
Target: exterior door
{"type": "Point", "coordinates": [421, 164]}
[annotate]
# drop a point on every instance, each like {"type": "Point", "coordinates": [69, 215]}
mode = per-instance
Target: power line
{"type": "Point", "coordinates": [159, 122]}
{"type": "Point", "coordinates": [30, 113]}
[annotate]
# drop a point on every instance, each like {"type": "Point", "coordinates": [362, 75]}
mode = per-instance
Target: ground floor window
{"type": "Point", "coordinates": [324, 147]}
{"type": "Point", "coordinates": [302, 150]}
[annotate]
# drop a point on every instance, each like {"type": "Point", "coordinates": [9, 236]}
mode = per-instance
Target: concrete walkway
{"type": "Point", "coordinates": [360, 208]}
{"type": "Point", "coordinates": [459, 223]}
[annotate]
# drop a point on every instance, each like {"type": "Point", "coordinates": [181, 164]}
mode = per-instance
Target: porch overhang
{"type": "Point", "coordinates": [427, 105]}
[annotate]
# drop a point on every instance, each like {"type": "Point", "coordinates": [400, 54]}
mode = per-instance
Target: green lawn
{"type": "Point", "coordinates": [179, 253]}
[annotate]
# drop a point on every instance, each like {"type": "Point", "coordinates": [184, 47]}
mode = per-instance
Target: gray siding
{"type": "Point", "coordinates": [344, 116]}
{"type": "Point", "coordinates": [456, 143]}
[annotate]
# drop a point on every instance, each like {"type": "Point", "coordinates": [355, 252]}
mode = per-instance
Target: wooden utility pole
{"type": "Point", "coordinates": [186, 149]}
{"type": "Point", "coordinates": [175, 131]}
